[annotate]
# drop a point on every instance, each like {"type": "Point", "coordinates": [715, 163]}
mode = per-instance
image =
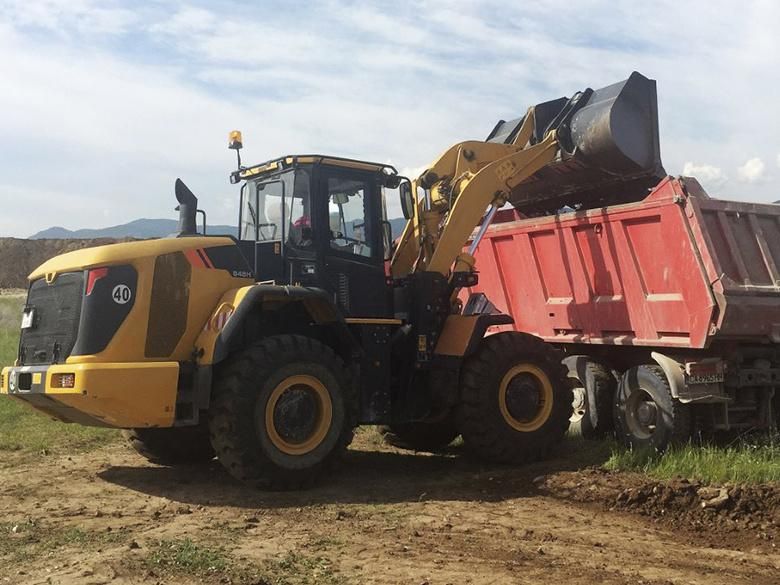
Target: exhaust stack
{"type": "Point", "coordinates": [188, 207]}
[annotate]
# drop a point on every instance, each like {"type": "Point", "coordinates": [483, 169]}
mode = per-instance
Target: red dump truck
{"type": "Point", "coordinates": [667, 309]}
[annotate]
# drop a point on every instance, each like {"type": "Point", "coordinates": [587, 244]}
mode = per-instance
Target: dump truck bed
{"type": "Point", "coordinates": [678, 269]}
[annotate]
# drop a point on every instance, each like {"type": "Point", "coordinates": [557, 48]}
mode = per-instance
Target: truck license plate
{"type": "Point", "coordinates": [706, 379]}
{"type": "Point", "coordinates": [705, 372]}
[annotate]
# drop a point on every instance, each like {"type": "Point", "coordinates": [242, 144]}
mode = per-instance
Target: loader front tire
{"type": "Point", "coordinates": [172, 446]}
{"type": "Point", "coordinates": [515, 399]}
{"type": "Point", "coordinates": [281, 412]}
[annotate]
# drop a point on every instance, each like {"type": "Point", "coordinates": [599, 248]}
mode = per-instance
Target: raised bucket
{"type": "Point", "coordinates": [611, 152]}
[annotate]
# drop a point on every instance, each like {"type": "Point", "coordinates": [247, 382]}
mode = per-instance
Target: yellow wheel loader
{"type": "Point", "coordinates": [266, 348]}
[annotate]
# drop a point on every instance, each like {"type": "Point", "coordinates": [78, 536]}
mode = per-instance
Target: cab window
{"type": "Point", "coordinates": [350, 232]}
{"type": "Point", "coordinates": [261, 215]}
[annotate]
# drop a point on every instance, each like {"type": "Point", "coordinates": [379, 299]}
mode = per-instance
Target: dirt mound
{"type": "Point", "coordinates": [19, 257]}
{"type": "Point", "coordinates": [748, 513]}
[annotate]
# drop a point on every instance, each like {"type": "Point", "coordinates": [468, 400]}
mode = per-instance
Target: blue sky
{"type": "Point", "coordinates": [104, 103]}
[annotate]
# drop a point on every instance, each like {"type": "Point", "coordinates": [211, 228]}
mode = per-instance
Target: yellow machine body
{"type": "Point", "coordinates": [122, 386]}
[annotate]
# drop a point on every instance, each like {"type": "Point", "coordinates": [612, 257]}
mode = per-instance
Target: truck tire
{"type": "Point", "coordinates": [646, 414]}
{"type": "Point", "coordinates": [430, 437]}
{"type": "Point", "coordinates": [172, 446]}
{"type": "Point", "coordinates": [593, 384]}
{"type": "Point", "coordinates": [282, 412]}
{"type": "Point", "coordinates": [515, 399]}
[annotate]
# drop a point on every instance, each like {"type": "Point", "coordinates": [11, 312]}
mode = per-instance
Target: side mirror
{"type": "Point", "coordinates": [407, 199]}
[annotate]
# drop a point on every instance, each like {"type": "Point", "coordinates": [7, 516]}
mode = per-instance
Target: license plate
{"type": "Point", "coordinates": [711, 372]}
{"type": "Point", "coordinates": [28, 318]}
{"type": "Point", "coordinates": [706, 379]}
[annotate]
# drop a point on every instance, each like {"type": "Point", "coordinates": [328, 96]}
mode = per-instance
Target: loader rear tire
{"type": "Point", "coordinates": [430, 437]}
{"type": "Point", "coordinates": [515, 399]}
{"type": "Point", "coordinates": [647, 416]}
{"type": "Point", "coordinates": [282, 412]}
{"type": "Point", "coordinates": [172, 446]}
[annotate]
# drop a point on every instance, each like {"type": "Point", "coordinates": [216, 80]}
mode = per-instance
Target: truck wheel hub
{"type": "Point", "coordinates": [579, 404]}
{"type": "Point", "coordinates": [646, 413]}
{"type": "Point", "coordinates": [641, 414]}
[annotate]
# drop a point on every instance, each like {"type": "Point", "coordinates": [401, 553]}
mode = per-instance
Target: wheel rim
{"type": "Point", "coordinates": [641, 414]}
{"type": "Point", "coordinates": [298, 414]}
{"type": "Point", "coordinates": [579, 404]}
{"type": "Point", "coordinates": [525, 397]}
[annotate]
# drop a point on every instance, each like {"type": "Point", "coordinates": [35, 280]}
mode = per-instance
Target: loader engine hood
{"type": "Point", "coordinates": [131, 301]}
{"type": "Point", "coordinates": [610, 148]}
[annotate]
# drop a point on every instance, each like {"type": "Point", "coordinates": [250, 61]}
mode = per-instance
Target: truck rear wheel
{"type": "Point", "coordinates": [281, 412]}
{"type": "Point", "coordinates": [515, 400]}
{"type": "Point", "coordinates": [646, 413]}
{"type": "Point", "coordinates": [593, 385]}
{"type": "Point", "coordinates": [430, 436]}
{"type": "Point", "coordinates": [172, 446]}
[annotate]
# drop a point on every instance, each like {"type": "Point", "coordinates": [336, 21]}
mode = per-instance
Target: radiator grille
{"type": "Point", "coordinates": [57, 308]}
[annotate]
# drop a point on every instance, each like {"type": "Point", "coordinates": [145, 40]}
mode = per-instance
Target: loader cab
{"type": "Point", "coordinates": [319, 222]}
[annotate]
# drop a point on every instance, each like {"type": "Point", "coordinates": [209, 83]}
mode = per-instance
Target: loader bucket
{"type": "Point", "coordinates": [610, 149]}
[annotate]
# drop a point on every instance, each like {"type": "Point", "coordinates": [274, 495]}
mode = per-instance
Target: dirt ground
{"type": "Point", "coordinates": [386, 516]}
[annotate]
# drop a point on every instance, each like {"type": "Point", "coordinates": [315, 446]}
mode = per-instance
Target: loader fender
{"type": "Point", "coordinates": [674, 371]}
{"type": "Point", "coordinates": [461, 334]}
{"type": "Point", "coordinates": [230, 326]}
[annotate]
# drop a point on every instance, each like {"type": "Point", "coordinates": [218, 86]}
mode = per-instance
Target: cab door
{"type": "Point", "coordinates": [354, 246]}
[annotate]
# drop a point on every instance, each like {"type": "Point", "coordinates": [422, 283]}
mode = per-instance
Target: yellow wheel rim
{"type": "Point", "coordinates": [543, 399]}
{"type": "Point", "coordinates": [307, 388]}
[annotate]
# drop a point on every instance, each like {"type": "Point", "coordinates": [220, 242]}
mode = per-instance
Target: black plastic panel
{"type": "Point", "coordinates": [57, 307]}
{"type": "Point", "coordinates": [105, 308]}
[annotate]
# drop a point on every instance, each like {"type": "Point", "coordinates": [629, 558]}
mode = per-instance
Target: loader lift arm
{"type": "Point", "coordinates": [597, 146]}
{"type": "Point", "coordinates": [467, 179]}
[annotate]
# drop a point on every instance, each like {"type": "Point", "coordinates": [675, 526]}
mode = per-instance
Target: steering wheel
{"type": "Point", "coordinates": [338, 237]}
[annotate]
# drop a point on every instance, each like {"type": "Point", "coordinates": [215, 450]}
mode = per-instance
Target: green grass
{"type": "Point", "coordinates": [25, 541]}
{"type": "Point", "coordinates": [23, 429]}
{"type": "Point", "coordinates": [186, 556]}
{"type": "Point", "coordinates": [756, 461]}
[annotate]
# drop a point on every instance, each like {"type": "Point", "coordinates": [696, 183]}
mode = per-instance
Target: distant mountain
{"type": "Point", "coordinates": [140, 228]}
{"type": "Point", "coordinates": [152, 228]}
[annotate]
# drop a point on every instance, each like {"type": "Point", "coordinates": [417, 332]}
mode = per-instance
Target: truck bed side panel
{"type": "Point", "coordinates": [624, 275]}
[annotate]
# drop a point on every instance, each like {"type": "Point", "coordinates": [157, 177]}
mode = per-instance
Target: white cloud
{"type": "Point", "coordinates": [752, 171]}
{"type": "Point", "coordinates": [778, 160]}
{"type": "Point", "coordinates": [85, 18]}
{"type": "Point", "coordinates": [107, 101]}
{"type": "Point", "coordinates": [709, 175]}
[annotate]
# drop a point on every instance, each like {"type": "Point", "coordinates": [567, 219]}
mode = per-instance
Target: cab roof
{"type": "Point", "coordinates": [288, 161]}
